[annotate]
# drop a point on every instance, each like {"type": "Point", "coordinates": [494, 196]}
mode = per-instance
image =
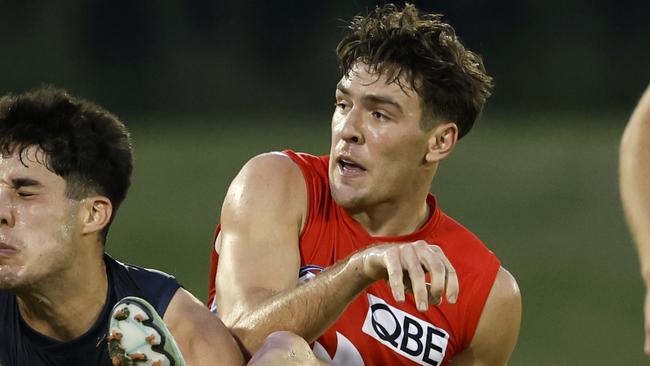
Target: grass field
{"type": "Point", "coordinates": [541, 191]}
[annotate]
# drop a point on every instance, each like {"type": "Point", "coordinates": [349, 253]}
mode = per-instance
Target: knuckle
{"type": "Point", "coordinates": [416, 273]}
{"type": "Point", "coordinates": [392, 250]}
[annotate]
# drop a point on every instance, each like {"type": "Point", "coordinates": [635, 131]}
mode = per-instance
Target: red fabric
{"type": "Point", "coordinates": [330, 234]}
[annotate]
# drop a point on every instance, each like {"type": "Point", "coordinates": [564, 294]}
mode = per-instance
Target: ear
{"type": "Point", "coordinates": [97, 212]}
{"type": "Point", "coordinates": [442, 140]}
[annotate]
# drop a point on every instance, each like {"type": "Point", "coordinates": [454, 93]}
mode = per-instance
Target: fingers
{"type": "Point", "coordinates": [452, 288]}
{"type": "Point", "coordinates": [412, 264]}
{"type": "Point", "coordinates": [416, 259]}
{"type": "Point", "coordinates": [395, 273]}
{"type": "Point", "coordinates": [437, 270]}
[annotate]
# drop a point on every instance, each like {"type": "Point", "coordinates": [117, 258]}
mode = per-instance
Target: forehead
{"type": "Point", "coordinates": [364, 76]}
{"type": "Point", "coordinates": [29, 164]}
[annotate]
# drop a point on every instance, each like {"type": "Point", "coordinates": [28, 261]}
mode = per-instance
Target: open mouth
{"type": "Point", "coordinates": [347, 166]}
{"type": "Point", "coordinates": [6, 249]}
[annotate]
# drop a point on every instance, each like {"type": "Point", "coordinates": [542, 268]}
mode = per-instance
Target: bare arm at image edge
{"type": "Point", "coordinates": [635, 190]}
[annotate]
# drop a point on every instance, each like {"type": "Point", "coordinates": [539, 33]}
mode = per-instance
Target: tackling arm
{"type": "Point", "coordinates": [259, 259]}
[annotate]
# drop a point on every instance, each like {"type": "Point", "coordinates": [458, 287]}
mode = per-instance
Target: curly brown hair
{"type": "Point", "coordinates": [83, 143]}
{"type": "Point", "coordinates": [424, 51]}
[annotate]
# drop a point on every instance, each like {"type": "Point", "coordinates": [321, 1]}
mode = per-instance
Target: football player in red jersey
{"type": "Point", "coordinates": [350, 250]}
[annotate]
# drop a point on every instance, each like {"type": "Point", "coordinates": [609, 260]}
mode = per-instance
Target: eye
{"type": "Point", "coordinates": [379, 115]}
{"type": "Point", "coordinates": [25, 194]}
{"type": "Point", "coordinates": [341, 104]}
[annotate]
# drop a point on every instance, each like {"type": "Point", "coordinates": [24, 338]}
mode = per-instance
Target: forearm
{"type": "Point", "coordinates": [306, 310]}
{"type": "Point", "coordinates": [635, 180]}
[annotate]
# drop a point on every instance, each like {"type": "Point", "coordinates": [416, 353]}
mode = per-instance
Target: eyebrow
{"type": "Point", "coordinates": [372, 99]}
{"type": "Point", "coordinates": [25, 182]}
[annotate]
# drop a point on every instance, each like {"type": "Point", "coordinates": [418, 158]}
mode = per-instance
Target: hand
{"type": "Point", "coordinates": [392, 261]}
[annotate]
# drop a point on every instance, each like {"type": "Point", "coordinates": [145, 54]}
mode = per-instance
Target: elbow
{"type": "Point", "coordinates": [242, 331]}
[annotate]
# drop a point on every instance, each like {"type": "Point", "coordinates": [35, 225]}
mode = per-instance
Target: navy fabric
{"type": "Point", "coordinates": [22, 346]}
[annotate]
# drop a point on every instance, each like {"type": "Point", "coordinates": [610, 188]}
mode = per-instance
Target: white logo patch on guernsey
{"type": "Point", "coordinates": [413, 338]}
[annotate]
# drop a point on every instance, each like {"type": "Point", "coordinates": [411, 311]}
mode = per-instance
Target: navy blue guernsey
{"type": "Point", "coordinates": [20, 345]}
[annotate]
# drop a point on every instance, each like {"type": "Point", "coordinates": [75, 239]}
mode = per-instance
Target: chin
{"type": "Point", "coordinates": [9, 278]}
{"type": "Point", "coordinates": [346, 197]}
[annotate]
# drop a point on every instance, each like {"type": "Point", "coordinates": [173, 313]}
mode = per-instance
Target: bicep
{"type": "Point", "coordinates": [201, 336]}
{"type": "Point", "coordinates": [498, 328]}
{"type": "Point", "coordinates": [260, 226]}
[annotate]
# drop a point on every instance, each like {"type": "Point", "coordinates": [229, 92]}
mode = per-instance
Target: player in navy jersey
{"type": "Point", "coordinates": [65, 167]}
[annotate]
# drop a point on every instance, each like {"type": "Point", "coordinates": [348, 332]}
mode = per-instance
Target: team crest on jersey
{"type": "Point", "coordinates": [411, 337]}
{"type": "Point", "coordinates": [308, 272]}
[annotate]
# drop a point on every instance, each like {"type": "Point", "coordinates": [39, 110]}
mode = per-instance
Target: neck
{"type": "Point", "coordinates": [66, 305]}
{"type": "Point", "coordinates": [394, 218]}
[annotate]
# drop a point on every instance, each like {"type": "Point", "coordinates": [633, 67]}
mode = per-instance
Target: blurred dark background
{"type": "Point", "coordinates": [205, 85]}
{"type": "Point", "coordinates": [262, 56]}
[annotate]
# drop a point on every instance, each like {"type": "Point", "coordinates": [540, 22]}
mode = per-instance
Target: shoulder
{"type": "Point", "coordinates": [155, 286]}
{"type": "Point", "coordinates": [137, 273]}
{"type": "Point", "coordinates": [269, 182]}
{"type": "Point", "coordinates": [505, 293]}
{"type": "Point", "coordinates": [270, 161]}
{"type": "Point", "coordinates": [286, 165]}
{"type": "Point", "coordinates": [267, 170]}
{"type": "Point", "coordinates": [498, 327]}
{"type": "Point", "coordinates": [502, 312]}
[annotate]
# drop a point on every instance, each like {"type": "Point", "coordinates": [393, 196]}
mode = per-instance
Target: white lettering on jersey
{"type": "Point", "coordinates": [346, 353]}
{"type": "Point", "coordinates": [411, 337]}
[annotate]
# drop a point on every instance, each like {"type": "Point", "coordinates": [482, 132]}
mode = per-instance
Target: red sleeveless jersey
{"type": "Point", "coordinates": [375, 329]}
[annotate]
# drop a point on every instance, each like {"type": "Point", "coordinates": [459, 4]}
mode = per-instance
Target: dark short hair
{"type": "Point", "coordinates": [83, 143]}
{"type": "Point", "coordinates": [404, 45]}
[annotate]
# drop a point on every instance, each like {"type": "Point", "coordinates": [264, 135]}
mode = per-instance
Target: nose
{"type": "Point", "coordinates": [352, 127]}
{"type": "Point", "coordinates": [7, 208]}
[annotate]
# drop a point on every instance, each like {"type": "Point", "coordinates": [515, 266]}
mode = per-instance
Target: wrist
{"type": "Point", "coordinates": [355, 268]}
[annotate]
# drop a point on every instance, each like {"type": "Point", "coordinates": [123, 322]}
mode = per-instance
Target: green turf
{"type": "Point", "coordinates": [541, 191]}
